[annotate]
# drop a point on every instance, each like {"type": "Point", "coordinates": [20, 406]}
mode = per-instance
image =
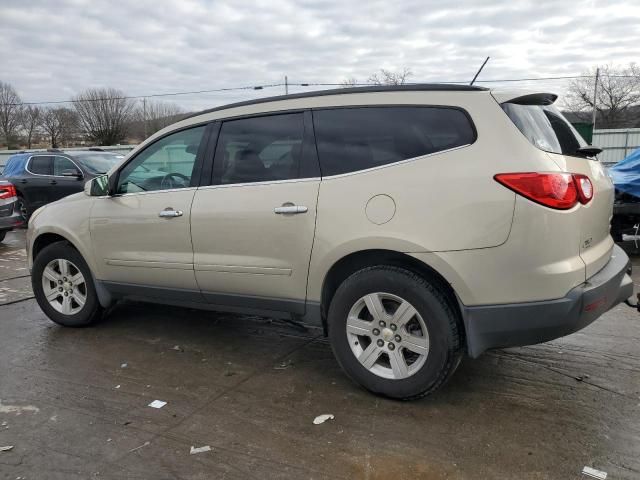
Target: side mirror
{"type": "Point", "coordinates": [72, 173]}
{"type": "Point", "coordinates": [97, 187]}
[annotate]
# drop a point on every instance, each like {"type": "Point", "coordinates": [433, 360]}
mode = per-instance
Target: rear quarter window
{"type": "Point", "coordinates": [352, 139]}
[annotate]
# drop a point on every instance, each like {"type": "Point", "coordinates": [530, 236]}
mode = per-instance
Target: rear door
{"type": "Point", "coordinates": [253, 228]}
{"type": "Point", "coordinates": [37, 182]}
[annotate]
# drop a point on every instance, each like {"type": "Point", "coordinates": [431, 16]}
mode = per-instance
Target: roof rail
{"type": "Point", "coordinates": [96, 149]}
{"type": "Point", "coordinates": [53, 150]}
{"type": "Point", "coordinates": [418, 87]}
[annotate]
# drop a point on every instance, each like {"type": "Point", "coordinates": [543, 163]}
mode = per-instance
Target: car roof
{"type": "Point", "coordinates": [419, 87]}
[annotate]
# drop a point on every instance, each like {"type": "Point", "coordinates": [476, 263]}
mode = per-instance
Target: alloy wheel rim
{"type": "Point", "coordinates": [22, 208]}
{"type": "Point", "coordinates": [64, 286]}
{"type": "Point", "coordinates": [387, 335]}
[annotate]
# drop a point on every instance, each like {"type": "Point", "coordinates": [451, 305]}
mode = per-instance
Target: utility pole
{"type": "Point", "coordinates": [144, 115]}
{"type": "Point", "coordinates": [286, 85]}
{"type": "Point", "coordinates": [595, 100]}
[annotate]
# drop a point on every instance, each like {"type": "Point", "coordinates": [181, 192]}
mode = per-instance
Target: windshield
{"type": "Point", "coordinates": [98, 162]}
{"type": "Point", "coordinates": [545, 127]}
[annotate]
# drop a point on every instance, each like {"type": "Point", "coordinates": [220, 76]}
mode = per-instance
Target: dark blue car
{"type": "Point", "coordinates": [44, 177]}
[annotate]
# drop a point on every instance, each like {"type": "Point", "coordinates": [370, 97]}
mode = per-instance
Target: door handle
{"type": "Point", "coordinates": [24, 180]}
{"type": "Point", "coordinates": [170, 213]}
{"type": "Point", "coordinates": [53, 182]}
{"type": "Point", "coordinates": [290, 209]}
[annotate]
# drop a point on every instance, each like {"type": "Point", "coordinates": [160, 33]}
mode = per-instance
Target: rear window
{"type": "Point", "coordinates": [352, 139]}
{"type": "Point", "coordinates": [545, 127]}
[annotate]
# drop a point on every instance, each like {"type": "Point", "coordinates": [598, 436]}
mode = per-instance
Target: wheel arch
{"type": "Point", "coordinates": [355, 261]}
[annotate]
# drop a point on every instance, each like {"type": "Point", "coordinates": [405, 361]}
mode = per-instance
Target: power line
{"type": "Point", "coordinates": [307, 84]}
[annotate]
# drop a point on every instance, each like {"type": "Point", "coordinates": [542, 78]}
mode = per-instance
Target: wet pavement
{"type": "Point", "coordinates": [73, 402]}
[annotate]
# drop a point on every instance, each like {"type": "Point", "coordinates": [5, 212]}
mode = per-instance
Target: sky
{"type": "Point", "coordinates": [51, 50]}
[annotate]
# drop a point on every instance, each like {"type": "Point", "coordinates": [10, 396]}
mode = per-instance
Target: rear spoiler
{"type": "Point", "coordinates": [526, 99]}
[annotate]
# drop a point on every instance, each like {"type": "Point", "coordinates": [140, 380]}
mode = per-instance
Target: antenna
{"type": "Point", "coordinates": [478, 72]}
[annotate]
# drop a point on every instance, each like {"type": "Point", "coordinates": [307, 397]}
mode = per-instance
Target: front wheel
{"type": "Point", "coordinates": [63, 286]}
{"type": "Point", "coordinates": [394, 332]}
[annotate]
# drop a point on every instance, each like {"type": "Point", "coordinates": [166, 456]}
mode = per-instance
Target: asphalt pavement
{"type": "Point", "coordinates": [74, 402]}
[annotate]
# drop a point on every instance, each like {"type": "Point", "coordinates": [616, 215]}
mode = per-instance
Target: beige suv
{"type": "Point", "coordinates": [412, 223]}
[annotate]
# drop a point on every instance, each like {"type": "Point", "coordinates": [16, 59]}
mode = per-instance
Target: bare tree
{"type": "Point", "coordinates": [10, 113]}
{"type": "Point", "coordinates": [383, 77]}
{"type": "Point", "coordinates": [618, 92]}
{"type": "Point", "coordinates": [104, 114]}
{"type": "Point", "coordinates": [31, 120]}
{"type": "Point", "coordinates": [59, 124]}
{"type": "Point", "coordinates": [387, 77]}
{"type": "Point", "coordinates": [154, 115]}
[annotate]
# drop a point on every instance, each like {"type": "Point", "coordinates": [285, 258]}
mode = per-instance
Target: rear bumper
{"type": "Point", "coordinates": [10, 222]}
{"type": "Point", "coordinates": [494, 326]}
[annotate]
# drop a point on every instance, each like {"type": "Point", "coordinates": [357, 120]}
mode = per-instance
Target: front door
{"type": "Point", "coordinates": [253, 228]}
{"type": "Point", "coordinates": [141, 235]}
{"type": "Point", "coordinates": [64, 184]}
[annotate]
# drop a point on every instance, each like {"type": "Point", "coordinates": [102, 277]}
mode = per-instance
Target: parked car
{"type": "Point", "coordinates": [626, 207]}
{"type": "Point", "coordinates": [10, 217]}
{"type": "Point", "coordinates": [44, 177]}
{"type": "Point", "coordinates": [412, 223]}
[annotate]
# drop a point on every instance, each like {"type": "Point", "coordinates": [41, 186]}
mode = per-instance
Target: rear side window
{"type": "Point", "coordinates": [41, 165]}
{"type": "Point", "coordinates": [259, 149]}
{"type": "Point", "coordinates": [352, 139]}
{"type": "Point", "coordinates": [545, 127]}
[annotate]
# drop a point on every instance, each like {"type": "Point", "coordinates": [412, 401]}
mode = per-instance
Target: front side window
{"type": "Point", "coordinates": [545, 127]}
{"type": "Point", "coordinates": [259, 149]}
{"type": "Point", "coordinates": [352, 139]}
{"type": "Point", "coordinates": [61, 164]}
{"type": "Point", "coordinates": [41, 165]}
{"type": "Point", "coordinates": [166, 164]}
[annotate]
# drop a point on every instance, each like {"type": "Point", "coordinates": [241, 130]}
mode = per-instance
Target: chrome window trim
{"type": "Point", "coordinates": [266, 182]}
{"type": "Point", "coordinates": [26, 166]}
{"type": "Point", "coordinates": [118, 195]}
{"type": "Point", "coordinates": [399, 162]}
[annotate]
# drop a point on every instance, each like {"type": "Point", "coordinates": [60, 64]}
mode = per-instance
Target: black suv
{"type": "Point", "coordinates": [44, 177]}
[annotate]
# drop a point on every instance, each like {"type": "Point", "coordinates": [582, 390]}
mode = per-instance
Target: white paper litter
{"type": "Point", "coordinates": [195, 450]}
{"type": "Point", "coordinates": [124, 365]}
{"type": "Point", "coordinates": [6, 449]}
{"type": "Point", "coordinates": [157, 404]}
{"type": "Point", "coordinates": [141, 446]}
{"type": "Point", "coordinates": [117, 386]}
{"type": "Point", "coordinates": [593, 473]}
{"type": "Point", "coordinates": [322, 418]}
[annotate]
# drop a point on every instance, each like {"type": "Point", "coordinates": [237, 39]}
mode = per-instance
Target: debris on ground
{"type": "Point", "coordinates": [322, 418]}
{"type": "Point", "coordinates": [581, 377]}
{"type": "Point", "coordinates": [195, 450]}
{"type": "Point", "coordinates": [141, 446]}
{"type": "Point", "coordinates": [6, 449]}
{"type": "Point", "coordinates": [117, 386]}
{"type": "Point", "coordinates": [283, 365]}
{"type": "Point", "coordinates": [177, 348]}
{"type": "Point", "coordinates": [593, 473]}
{"type": "Point", "coordinates": [157, 404]}
{"type": "Point", "coordinates": [124, 365]}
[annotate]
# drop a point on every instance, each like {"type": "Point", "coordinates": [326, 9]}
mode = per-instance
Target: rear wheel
{"type": "Point", "coordinates": [3, 234]}
{"type": "Point", "coordinates": [394, 333]}
{"type": "Point", "coordinates": [63, 286]}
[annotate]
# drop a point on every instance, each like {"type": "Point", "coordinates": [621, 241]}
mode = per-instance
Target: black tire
{"type": "Point", "coordinates": [445, 337]}
{"type": "Point", "coordinates": [3, 233]}
{"type": "Point", "coordinates": [91, 311]}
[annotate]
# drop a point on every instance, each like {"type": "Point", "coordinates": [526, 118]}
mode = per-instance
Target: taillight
{"type": "Point", "coordinates": [561, 191]}
{"type": "Point", "coordinates": [7, 191]}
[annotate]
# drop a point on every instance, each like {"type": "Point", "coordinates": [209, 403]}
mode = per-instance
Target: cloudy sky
{"type": "Point", "coordinates": [53, 49]}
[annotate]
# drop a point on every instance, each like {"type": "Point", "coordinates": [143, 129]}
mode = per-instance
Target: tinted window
{"type": "Point", "coordinates": [351, 139]}
{"type": "Point", "coordinates": [259, 149]}
{"type": "Point", "coordinates": [60, 164]}
{"type": "Point", "coordinates": [41, 165]}
{"type": "Point", "coordinates": [545, 127]}
{"type": "Point", "coordinates": [166, 164]}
